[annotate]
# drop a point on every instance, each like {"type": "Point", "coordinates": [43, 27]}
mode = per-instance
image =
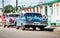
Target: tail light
{"type": "Point", "coordinates": [43, 22]}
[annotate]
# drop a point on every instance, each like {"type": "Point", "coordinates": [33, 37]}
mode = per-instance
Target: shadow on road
{"type": "Point", "coordinates": [49, 29]}
{"type": "Point", "coordinates": [45, 29]}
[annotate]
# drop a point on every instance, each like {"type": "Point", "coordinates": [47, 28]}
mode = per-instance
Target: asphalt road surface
{"type": "Point", "coordinates": [14, 33]}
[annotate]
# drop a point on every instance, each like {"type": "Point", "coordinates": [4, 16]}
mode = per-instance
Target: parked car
{"type": "Point", "coordinates": [10, 19]}
{"type": "Point", "coordinates": [27, 20]}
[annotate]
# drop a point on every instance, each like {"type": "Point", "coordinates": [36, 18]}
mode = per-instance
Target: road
{"type": "Point", "coordinates": [14, 33]}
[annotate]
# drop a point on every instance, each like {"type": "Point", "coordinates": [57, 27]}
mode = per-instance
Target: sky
{"type": "Point", "coordinates": [23, 2]}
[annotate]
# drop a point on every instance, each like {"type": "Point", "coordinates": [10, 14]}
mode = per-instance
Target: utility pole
{"type": "Point", "coordinates": [16, 5]}
{"type": "Point", "coordinates": [3, 6]}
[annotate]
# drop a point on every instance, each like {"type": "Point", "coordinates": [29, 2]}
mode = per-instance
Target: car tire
{"type": "Point", "coordinates": [17, 27]}
{"type": "Point", "coordinates": [8, 26]}
{"type": "Point", "coordinates": [15, 23]}
{"type": "Point", "coordinates": [4, 26]}
{"type": "Point", "coordinates": [23, 28]}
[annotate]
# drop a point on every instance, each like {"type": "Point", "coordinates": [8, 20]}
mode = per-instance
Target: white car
{"type": "Point", "coordinates": [10, 19]}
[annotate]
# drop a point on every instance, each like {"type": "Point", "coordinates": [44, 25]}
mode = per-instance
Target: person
{"type": "Point", "coordinates": [3, 17]}
{"type": "Point", "coordinates": [3, 20]}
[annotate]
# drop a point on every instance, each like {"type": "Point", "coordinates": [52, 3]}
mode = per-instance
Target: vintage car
{"type": "Point", "coordinates": [10, 19]}
{"type": "Point", "coordinates": [31, 19]}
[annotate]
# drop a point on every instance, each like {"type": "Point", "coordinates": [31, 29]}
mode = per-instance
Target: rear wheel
{"type": "Point", "coordinates": [23, 27]}
{"type": "Point", "coordinates": [8, 26]}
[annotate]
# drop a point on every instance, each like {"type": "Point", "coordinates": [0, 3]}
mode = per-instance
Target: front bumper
{"type": "Point", "coordinates": [9, 23]}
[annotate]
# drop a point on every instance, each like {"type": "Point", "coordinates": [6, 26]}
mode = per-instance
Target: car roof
{"type": "Point", "coordinates": [31, 12]}
{"type": "Point", "coordinates": [12, 13]}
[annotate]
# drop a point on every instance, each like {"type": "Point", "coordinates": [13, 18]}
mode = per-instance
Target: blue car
{"type": "Point", "coordinates": [27, 20]}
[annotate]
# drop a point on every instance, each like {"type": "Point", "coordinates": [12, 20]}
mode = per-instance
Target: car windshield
{"type": "Point", "coordinates": [33, 15]}
{"type": "Point", "coordinates": [13, 15]}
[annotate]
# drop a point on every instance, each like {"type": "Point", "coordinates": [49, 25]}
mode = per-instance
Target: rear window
{"type": "Point", "coordinates": [33, 15]}
{"type": "Point", "coordinates": [13, 15]}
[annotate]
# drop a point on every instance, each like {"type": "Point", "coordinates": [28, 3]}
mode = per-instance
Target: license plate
{"type": "Point", "coordinates": [36, 23]}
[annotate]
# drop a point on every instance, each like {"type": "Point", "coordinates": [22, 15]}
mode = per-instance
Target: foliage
{"type": "Point", "coordinates": [8, 9]}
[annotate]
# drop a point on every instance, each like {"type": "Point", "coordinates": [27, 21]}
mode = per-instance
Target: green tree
{"type": "Point", "coordinates": [14, 9]}
{"type": "Point", "coordinates": [8, 9]}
